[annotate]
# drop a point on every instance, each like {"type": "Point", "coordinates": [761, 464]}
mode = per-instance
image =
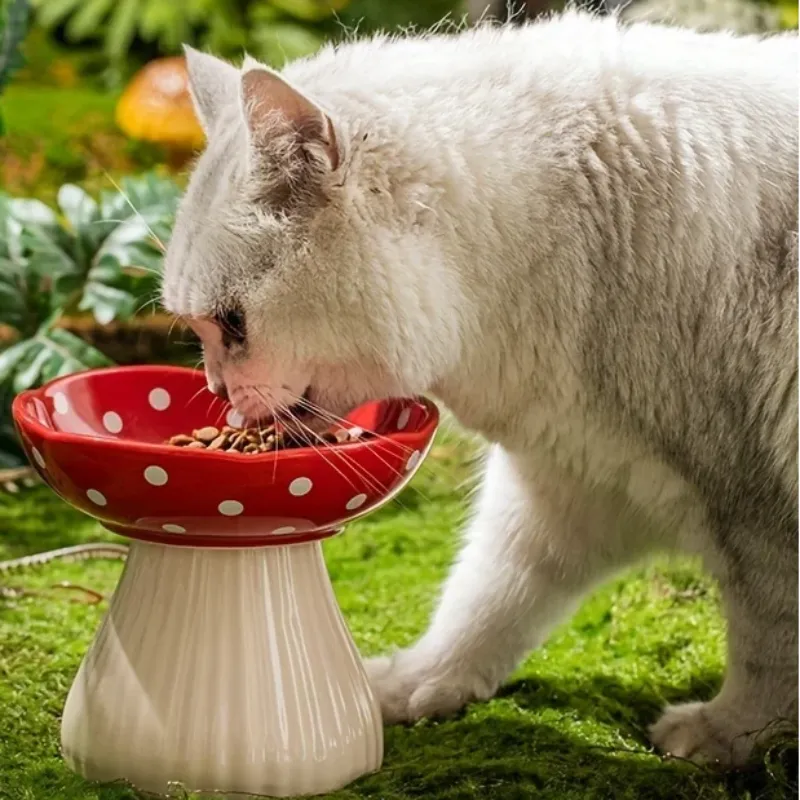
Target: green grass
{"type": "Point", "coordinates": [570, 724]}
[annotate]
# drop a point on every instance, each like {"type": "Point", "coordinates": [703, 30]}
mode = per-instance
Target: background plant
{"type": "Point", "coordinates": [97, 257]}
{"type": "Point", "coordinates": [13, 26]}
{"type": "Point", "coordinates": [275, 30]}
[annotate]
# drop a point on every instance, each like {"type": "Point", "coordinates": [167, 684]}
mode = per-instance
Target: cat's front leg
{"type": "Point", "coordinates": [524, 566]}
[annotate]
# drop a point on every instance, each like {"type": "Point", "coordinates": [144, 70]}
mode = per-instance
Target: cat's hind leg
{"type": "Point", "coordinates": [758, 699]}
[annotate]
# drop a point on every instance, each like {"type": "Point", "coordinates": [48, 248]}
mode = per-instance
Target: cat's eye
{"type": "Point", "coordinates": [233, 327]}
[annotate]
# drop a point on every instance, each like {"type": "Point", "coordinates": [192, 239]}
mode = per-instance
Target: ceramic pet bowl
{"type": "Point", "coordinates": [223, 663]}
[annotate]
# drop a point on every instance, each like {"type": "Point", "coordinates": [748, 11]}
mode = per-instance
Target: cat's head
{"type": "Point", "coordinates": [305, 250]}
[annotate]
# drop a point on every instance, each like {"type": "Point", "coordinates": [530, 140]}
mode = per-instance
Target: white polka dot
{"type": "Point", "coordinates": [403, 418]}
{"type": "Point", "coordinates": [300, 486]}
{"type": "Point", "coordinates": [39, 458]}
{"type": "Point", "coordinates": [412, 461]}
{"type": "Point", "coordinates": [230, 508]}
{"type": "Point", "coordinates": [159, 399]}
{"type": "Point", "coordinates": [112, 422]}
{"type": "Point", "coordinates": [98, 498]}
{"type": "Point", "coordinates": [60, 403]}
{"type": "Point", "coordinates": [356, 502]}
{"type": "Point", "coordinates": [156, 476]}
{"type": "Point", "coordinates": [356, 432]}
{"type": "Point", "coordinates": [170, 528]}
{"type": "Point", "coordinates": [284, 530]}
{"type": "Point", "coordinates": [234, 419]}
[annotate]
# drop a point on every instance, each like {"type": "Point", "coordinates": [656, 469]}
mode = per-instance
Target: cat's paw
{"type": "Point", "coordinates": [703, 733]}
{"type": "Point", "coordinates": [408, 688]}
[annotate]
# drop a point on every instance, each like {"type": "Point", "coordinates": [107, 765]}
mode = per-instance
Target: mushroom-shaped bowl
{"type": "Point", "coordinates": [223, 662]}
{"type": "Point", "coordinates": [98, 438]}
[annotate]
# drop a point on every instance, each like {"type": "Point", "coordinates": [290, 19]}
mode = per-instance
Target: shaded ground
{"type": "Point", "coordinates": [571, 724]}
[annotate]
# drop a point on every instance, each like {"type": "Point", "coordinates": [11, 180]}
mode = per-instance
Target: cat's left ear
{"type": "Point", "coordinates": [272, 107]}
{"type": "Point", "coordinates": [212, 85]}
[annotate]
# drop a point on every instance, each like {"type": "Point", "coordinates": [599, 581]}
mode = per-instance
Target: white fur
{"type": "Point", "coordinates": [490, 184]}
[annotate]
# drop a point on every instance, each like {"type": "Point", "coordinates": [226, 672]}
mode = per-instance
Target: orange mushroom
{"type": "Point", "coordinates": [156, 107]}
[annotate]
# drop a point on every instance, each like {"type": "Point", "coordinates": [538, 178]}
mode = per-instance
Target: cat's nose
{"type": "Point", "coordinates": [219, 389]}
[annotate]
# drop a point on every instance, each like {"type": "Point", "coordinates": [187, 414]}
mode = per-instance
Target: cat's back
{"type": "Point", "coordinates": [574, 51]}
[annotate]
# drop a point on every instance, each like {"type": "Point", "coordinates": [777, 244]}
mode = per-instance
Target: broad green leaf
{"type": "Point", "coordinates": [13, 300]}
{"type": "Point", "coordinates": [44, 254]}
{"type": "Point", "coordinates": [13, 238]}
{"type": "Point", "coordinates": [78, 208]}
{"type": "Point", "coordinates": [50, 13]}
{"type": "Point", "coordinates": [121, 29]}
{"type": "Point", "coordinates": [12, 356]}
{"type": "Point", "coordinates": [28, 372]}
{"type": "Point", "coordinates": [72, 346]}
{"type": "Point", "coordinates": [281, 42]}
{"type": "Point", "coordinates": [33, 211]}
{"type": "Point", "coordinates": [88, 19]}
{"type": "Point", "coordinates": [108, 292]}
{"type": "Point", "coordinates": [107, 303]}
{"type": "Point", "coordinates": [310, 10]}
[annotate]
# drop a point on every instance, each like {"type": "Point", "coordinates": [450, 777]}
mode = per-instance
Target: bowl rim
{"type": "Point", "coordinates": [24, 420]}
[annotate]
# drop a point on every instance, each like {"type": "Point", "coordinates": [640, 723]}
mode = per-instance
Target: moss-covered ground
{"type": "Point", "coordinates": [570, 723]}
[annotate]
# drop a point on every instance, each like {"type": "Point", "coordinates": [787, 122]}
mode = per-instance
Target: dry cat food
{"type": "Point", "coordinates": [260, 440]}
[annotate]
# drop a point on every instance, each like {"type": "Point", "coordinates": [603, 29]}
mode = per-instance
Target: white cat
{"type": "Point", "coordinates": [583, 239]}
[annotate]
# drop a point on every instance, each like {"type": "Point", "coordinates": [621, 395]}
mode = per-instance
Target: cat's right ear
{"type": "Point", "coordinates": [213, 84]}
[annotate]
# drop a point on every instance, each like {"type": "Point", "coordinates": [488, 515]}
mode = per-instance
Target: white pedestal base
{"type": "Point", "coordinates": [226, 671]}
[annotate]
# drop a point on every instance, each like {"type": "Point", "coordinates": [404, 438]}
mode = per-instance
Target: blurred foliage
{"type": "Point", "coordinates": [57, 135]}
{"type": "Point", "coordinates": [739, 16]}
{"type": "Point", "coordinates": [13, 26]}
{"type": "Point", "coordinates": [273, 30]}
{"type": "Point", "coordinates": [98, 257]}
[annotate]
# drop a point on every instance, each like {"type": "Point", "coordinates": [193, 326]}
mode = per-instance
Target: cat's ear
{"type": "Point", "coordinates": [271, 106]}
{"type": "Point", "coordinates": [213, 84]}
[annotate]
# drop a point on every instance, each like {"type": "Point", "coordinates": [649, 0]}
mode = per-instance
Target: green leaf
{"type": "Point", "coordinates": [121, 29]}
{"type": "Point", "coordinates": [50, 13]}
{"type": "Point", "coordinates": [11, 357]}
{"type": "Point", "coordinates": [13, 239]}
{"type": "Point", "coordinates": [33, 212]}
{"type": "Point", "coordinates": [88, 19]}
{"type": "Point", "coordinates": [107, 303]}
{"type": "Point", "coordinates": [78, 208]}
{"type": "Point", "coordinates": [68, 345]}
{"type": "Point", "coordinates": [281, 42]}
{"type": "Point", "coordinates": [29, 371]}
{"type": "Point", "coordinates": [13, 297]}
{"type": "Point", "coordinates": [83, 217]}
{"type": "Point", "coordinates": [310, 10]}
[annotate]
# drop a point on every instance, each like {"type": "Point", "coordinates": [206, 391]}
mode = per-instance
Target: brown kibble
{"type": "Point", "coordinates": [207, 434]}
{"type": "Point", "coordinates": [219, 443]}
{"type": "Point", "coordinates": [181, 440]}
{"type": "Point", "coordinates": [251, 441]}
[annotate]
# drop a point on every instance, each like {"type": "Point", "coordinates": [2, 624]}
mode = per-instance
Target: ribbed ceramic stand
{"type": "Point", "coordinates": [226, 671]}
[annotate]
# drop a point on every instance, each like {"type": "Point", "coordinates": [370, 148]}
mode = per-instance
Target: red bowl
{"type": "Point", "coordinates": [97, 438]}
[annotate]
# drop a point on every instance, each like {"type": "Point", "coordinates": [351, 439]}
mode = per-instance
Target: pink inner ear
{"type": "Point", "coordinates": [266, 94]}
